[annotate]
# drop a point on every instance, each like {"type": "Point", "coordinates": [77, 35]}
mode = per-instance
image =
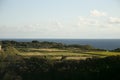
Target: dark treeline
{"type": "Point", "coordinates": [45, 44]}
{"type": "Point", "coordinates": [116, 50]}
{"type": "Point", "coordinates": [44, 69]}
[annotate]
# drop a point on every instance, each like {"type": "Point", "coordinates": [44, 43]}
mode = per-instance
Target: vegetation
{"type": "Point", "coordinates": [34, 68]}
{"type": "Point", "coordinates": [116, 50]}
{"type": "Point", "coordinates": [55, 61]}
{"type": "Point", "coordinates": [45, 44]}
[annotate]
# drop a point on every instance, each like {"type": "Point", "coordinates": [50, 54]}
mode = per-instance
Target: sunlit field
{"type": "Point", "coordinates": [59, 53]}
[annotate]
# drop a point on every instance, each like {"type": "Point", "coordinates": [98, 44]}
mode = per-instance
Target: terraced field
{"type": "Point", "coordinates": [68, 54]}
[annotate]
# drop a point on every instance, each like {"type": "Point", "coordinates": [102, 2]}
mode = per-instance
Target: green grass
{"type": "Point", "coordinates": [58, 53]}
{"type": "Point", "coordinates": [103, 53]}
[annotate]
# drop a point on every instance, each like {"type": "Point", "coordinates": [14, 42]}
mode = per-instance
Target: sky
{"type": "Point", "coordinates": [74, 19]}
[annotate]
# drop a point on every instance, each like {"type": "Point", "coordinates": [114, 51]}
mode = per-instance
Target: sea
{"type": "Point", "coordinates": [108, 44]}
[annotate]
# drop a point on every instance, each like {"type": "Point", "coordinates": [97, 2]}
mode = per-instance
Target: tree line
{"type": "Point", "coordinates": [46, 44]}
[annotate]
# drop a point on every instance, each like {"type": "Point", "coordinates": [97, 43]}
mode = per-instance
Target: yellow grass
{"type": "Point", "coordinates": [57, 54]}
{"type": "Point", "coordinates": [49, 50]}
{"type": "Point", "coordinates": [103, 53]}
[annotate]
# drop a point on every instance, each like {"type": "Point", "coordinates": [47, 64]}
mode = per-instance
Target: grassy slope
{"type": "Point", "coordinates": [57, 53]}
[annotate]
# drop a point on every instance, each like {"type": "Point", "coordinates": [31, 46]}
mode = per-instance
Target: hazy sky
{"type": "Point", "coordinates": [60, 19]}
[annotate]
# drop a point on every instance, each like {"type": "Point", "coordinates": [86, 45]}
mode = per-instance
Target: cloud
{"type": "Point", "coordinates": [87, 21]}
{"type": "Point", "coordinates": [94, 19]}
{"type": "Point", "coordinates": [58, 24]}
{"type": "Point", "coordinates": [82, 27]}
{"type": "Point", "coordinates": [97, 13]}
{"type": "Point", "coordinates": [114, 20]}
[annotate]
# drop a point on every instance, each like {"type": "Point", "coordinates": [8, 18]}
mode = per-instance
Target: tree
{"type": "Point", "coordinates": [35, 41]}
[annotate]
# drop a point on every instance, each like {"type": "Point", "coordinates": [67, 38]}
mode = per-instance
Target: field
{"type": "Point", "coordinates": [59, 64]}
{"type": "Point", "coordinates": [53, 53]}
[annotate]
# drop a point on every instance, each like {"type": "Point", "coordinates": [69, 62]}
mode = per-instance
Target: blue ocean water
{"type": "Point", "coordinates": [97, 43]}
